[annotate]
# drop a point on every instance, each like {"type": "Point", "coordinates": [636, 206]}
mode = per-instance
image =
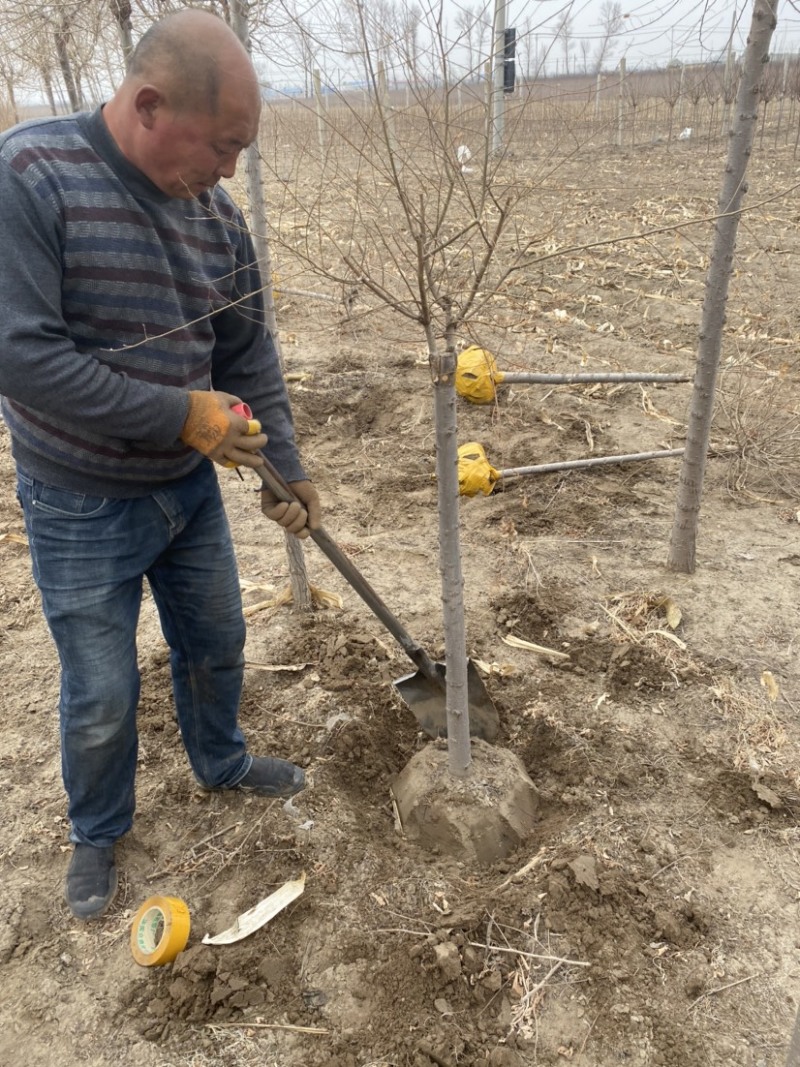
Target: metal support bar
{"type": "Point", "coordinates": [600, 376]}
{"type": "Point", "coordinates": [577, 464]}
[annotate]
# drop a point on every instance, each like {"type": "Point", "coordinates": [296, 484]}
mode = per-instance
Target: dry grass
{"type": "Point", "coordinates": [528, 963]}
{"type": "Point", "coordinates": [761, 743]}
{"type": "Point", "coordinates": [757, 413]}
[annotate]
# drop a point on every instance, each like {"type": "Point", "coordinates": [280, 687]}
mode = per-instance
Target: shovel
{"type": "Point", "coordinates": [424, 690]}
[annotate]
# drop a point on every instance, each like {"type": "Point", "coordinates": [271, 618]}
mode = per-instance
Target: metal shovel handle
{"type": "Point", "coordinates": [416, 653]}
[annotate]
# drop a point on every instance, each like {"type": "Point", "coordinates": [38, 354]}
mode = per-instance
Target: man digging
{"type": "Point", "coordinates": [132, 327]}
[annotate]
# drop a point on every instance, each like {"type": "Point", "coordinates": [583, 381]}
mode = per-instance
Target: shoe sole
{"type": "Point", "coordinates": [284, 794]}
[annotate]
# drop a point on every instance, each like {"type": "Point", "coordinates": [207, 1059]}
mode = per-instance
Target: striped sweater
{"type": "Point", "coordinates": [115, 300]}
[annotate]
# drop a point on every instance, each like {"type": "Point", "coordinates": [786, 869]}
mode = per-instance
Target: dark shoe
{"type": "Point", "coordinates": [91, 881]}
{"type": "Point", "coordinates": [270, 777]}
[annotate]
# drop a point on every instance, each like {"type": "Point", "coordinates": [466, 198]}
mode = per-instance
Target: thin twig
{"type": "Point", "coordinates": [722, 988]}
{"type": "Point", "coordinates": [526, 1000]}
{"type": "Point", "coordinates": [401, 930]}
{"type": "Point", "coordinates": [534, 862]}
{"type": "Point", "coordinates": [530, 955]}
{"type": "Point", "coordinates": [217, 833]}
{"type": "Point", "coordinates": [634, 637]}
{"type": "Point", "coordinates": [667, 866]}
{"type": "Point", "coordinates": [586, 1038]}
{"type": "Point", "coordinates": [281, 291]}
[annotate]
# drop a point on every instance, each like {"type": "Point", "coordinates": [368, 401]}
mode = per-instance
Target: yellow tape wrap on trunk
{"type": "Point", "coordinates": [477, 375]}
{"type": "Point", "coordinates": [475, 472]}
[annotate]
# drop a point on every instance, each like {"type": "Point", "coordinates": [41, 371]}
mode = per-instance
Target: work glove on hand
{"type": "Point", "coordinates": [220, 433]}
{"type": "Point", "coordinates": [299, 517]}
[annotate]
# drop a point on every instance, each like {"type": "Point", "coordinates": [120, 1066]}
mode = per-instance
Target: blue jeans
{"type": "Point", "coordinates": [90, 556]}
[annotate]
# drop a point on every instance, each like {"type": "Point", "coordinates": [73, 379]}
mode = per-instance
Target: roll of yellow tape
{"type": "Point", "coordinates": [160, 931]}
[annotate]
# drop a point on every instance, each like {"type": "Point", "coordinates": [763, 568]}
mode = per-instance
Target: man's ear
{"type": "Point", "coordinates": [147, 101]}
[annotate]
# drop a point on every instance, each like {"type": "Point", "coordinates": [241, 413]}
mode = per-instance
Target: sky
{"type": "Point", "coordinates": [681, 29]}
{"type": "Point", "coordinates": [653, 31]}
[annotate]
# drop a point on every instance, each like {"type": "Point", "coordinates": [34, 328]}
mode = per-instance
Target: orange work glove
{"type": "Point", "coordinates": [214, 429]}
{"type": "Point", "coordinates": [299, 517]}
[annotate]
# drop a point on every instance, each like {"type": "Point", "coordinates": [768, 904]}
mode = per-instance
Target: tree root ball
{"type": "Point", "coordinates": [484, 816]}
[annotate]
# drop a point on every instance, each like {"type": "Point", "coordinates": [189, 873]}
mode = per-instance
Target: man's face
{"type": "Point", "coordinates": [190, 151]}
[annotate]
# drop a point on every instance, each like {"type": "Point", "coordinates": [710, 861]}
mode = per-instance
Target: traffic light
{"type": "Point", "coordinates": [509, 69]}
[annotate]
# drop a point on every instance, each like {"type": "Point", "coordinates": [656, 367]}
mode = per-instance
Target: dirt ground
{"type": "Point", "coordinates": [651, 918]}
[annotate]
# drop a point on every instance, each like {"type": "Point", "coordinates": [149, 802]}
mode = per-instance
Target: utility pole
{"type": "Point", "coordinates": [498, 76]}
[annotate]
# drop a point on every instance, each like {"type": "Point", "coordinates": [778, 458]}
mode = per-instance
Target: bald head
{"type": "Point", "coordinates": [194, 56]}
{"type": "Point", "coordinates": [189, 104]}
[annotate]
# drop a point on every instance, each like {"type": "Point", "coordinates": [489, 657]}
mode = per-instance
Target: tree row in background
{"type": "Point", "coordinates": [59, 57]}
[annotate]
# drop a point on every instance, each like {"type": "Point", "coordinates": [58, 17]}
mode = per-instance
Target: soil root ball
{"type": "Point", "coordinates": [484, 816]}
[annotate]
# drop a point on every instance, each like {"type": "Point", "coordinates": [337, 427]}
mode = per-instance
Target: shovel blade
{"type": "Point", "coordinates": [426, 699]}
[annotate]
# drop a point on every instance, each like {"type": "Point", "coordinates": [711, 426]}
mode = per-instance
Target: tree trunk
{"type": "Point", "coordinates": [684, 531]}
{"type": "Point", "coordinates": [457, 699]}
{"type": "Point", "coordinates": [121, 10]}
{"type": "Point", "coordinates": [62, 40]}
{"type": "Point", "coordinates": [621, 105]}
{"type": "Point", "coordinates": [48, 88]}
{"type": "Point", "coordinates": [298, 577]}
{"type": "Point", "coordinates": [12, 96]}
{"type": "Point", "coordinates": [319, 107]}
{"type": "Point", "coordinates": [384, 108]}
